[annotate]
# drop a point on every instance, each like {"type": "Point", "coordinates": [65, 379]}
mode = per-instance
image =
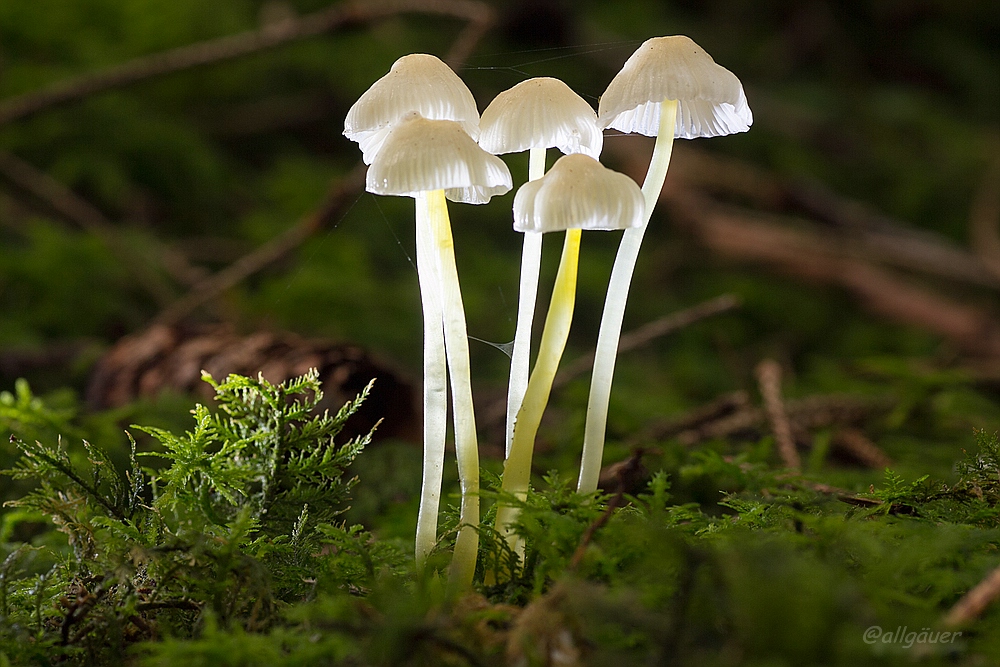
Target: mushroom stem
{"type": "Point", "coordinates": [531, 261]}
{"type": "Point", "coordinates": [463, 564]}
{"type": "Point", "coordinates": [435, 387]}
{"type": "Point", "coordinates": [517, 469]}
{"type": "Point", "coordinates": [614, 306]}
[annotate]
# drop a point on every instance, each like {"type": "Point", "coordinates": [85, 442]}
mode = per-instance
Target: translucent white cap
{"type": "Point", "coordinates": [578, 193]}
{"type": "Point", "coordinates": [540, 113]}
{"type": "Point", "coordinates": [417, 82]}
{"type": "Point", "coordinates": [710, 99]}
{"type": "Point", "coordinates": [421, 154]}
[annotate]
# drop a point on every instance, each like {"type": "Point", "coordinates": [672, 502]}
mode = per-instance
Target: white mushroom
{"type": "Point", "coordinates": [668, 88]}
{"type": "Point", "coordinates": [578, 193]}
{"type": "Point", "coordinates": [533, 116]}
{"type": "Point", "coordinates": [427, 159]}
{"type": "Point", "coordinates": [418, 83]}
{"type": "Point", "coordinates": [421, 84]}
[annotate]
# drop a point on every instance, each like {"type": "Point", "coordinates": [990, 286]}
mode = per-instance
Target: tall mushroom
{"type": "Point", "coordinates": [533, 116]}
{"type": "Point", "coordinates": [430, 160]}
{"type": "Point", "coordinates": [578, 193]}
{"type": "Point", "coordinates": [422, 84]}
{"type": "Point", "coordinates": [670, 87]}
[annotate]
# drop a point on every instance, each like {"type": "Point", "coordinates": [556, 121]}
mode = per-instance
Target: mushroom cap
{"type": "Point", "coordinates": [420, 154]}
{"type": "Point", "coordinates": [416, 82]}
{"type": "Point", "coordinates": [710, 99]}
{"type": "Point", "coordinates": [540, 113]}
{"type": "Point", "coordinates": [578, 193]}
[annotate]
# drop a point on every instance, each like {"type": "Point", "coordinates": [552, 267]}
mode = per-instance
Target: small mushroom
{"type": "Point", "coordinates": [578, 193]}
{"type": "Point", "coordinates": [418, 83]}
{"type": "Point", "coordinates": [429, 160]}
{"type": "Point", "coordinates": [670, 87]}
{"type": "Point", "coordinates": [533, 116]}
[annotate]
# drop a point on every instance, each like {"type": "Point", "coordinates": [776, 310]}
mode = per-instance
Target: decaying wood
{"type": "Point", "coordinates": [846, 248]}
{"type": "Point", "coordinates": [274, 34]}
{"type": "Point", "coordinates": [164, 358]}
{"type": "Point", "coordinates": [769, 378]}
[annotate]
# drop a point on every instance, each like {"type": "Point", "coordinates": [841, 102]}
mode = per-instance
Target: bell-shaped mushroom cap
{"type": "Point", "coordinates": [540, 113]}
{"type": "Point", "coordinates": [710, 99]}
{"type": "Point", "coordinates": [421, 154]}
{"type": "Point", "coordinates": [417, 82]}
{"type": "Point", "coordinates": [578, 193]}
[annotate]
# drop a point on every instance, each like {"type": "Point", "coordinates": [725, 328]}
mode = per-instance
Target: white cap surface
{"type": "Point", "coordinates": [421, 154]}
{"type": "Point", "coordinates": [710, 99]}
{"type": "Point", "coordinates": [578, 193]}
{"type": "Point", "coordinates": [418, 83]}
{"type": "Point", "coordinates": [540, 113]}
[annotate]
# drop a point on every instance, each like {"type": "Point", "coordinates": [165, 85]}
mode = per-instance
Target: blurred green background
{"type": "Point", "coordinates": [889, 106]}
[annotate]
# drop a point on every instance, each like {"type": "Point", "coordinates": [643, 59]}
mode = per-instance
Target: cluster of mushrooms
{"type": "Point", "coordinates": [420, 131]}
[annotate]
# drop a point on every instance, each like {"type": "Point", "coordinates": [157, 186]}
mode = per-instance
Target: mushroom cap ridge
{"type": "Point", "coordinates": [710, 99]}
{"type": "Point", "coordinates": [540, 113]}
{"type": "Point", "coordinates": [578, 193]}
{"type": "Point", "coordinates": [419, 83]}
{"type": "Point", "coordinates": [420, 154]}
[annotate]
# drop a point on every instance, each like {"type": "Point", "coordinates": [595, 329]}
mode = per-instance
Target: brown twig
{"type": "Point", "coordinates": [868, 233]}
{"type": "Point", "coordinates": [235, 46]}
{"type": "Point", "coordinates": [649, 332]}
{"type": "Point", "coordinates": [975, 601]}
{"type": "Point", "coordinates": [749, 236]}
{"type": "Point", "coordinates": [855, 443]}
{"type": "Point", "coordinates": [769, 378]}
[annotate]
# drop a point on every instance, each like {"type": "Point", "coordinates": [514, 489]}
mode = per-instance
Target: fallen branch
{"type": "Point", "coordinates": [744, 235]}
{"type": "Point", "coordinates": [975, 601]}
{"type": "Point", "coordinates": [856, 444]}
{"type": "Point", "coordinates": [769, 379]}
{"type": "Point", "coordinates": [869, 234]}
{"type": "Point", "coordinates": [340, 196]}
{"type": "Point", "coordinates": [231, 47]}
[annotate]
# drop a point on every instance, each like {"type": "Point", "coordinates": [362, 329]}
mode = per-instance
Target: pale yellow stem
{"type": "Point", "coordinates": [463, 563]}
{"type": "Point", "coordinates": [517, 470]}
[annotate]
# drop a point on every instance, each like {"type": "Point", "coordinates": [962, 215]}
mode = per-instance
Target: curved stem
{"type": "Point", "coordinates": [517, 470]}
{"type": "Point", "coordinates": [531, 261]}
{"type": "Point", "coordinates": [614, 307]}
{"type": "Point", "coordinates": [456, 338]}
{"type": "Point", "coordinates": [435, 387]}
